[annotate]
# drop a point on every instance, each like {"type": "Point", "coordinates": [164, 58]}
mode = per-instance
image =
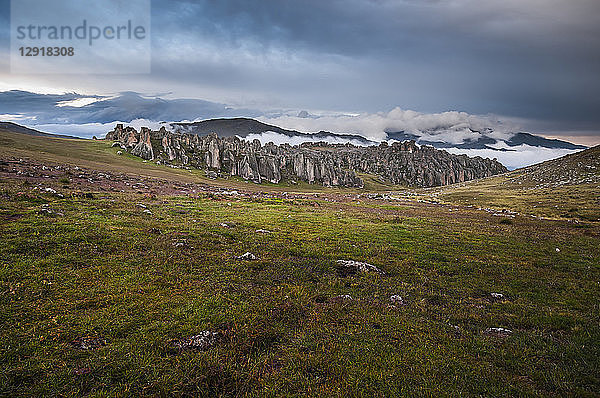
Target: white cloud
{"type": "Point", "coordinates": [450, 126]}
{"type": "Point", "coordinates": [79, 102]}
{"type": "Point", "coordinates": [278, 139]}
{"type": "Point", "coordinates": [88, 130]}
{"type": "Point", "coordinates": [519, 156]}
{"type": "Point", "coordinates": [7, 117]}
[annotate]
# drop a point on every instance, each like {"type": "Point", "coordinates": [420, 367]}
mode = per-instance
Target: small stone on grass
{"type": "Point", "coordinates": [246, 256]}
{"type": "Point", "coordinates": [201, 341]}
{"type": "Point", "coordinates": [396, 300]}
{"type": "Point", "coordinates": [351, 267]}
{"type": "Point", "coordinates": [88, 343]}
{"type": "Point", "coordinates": [498, 332]}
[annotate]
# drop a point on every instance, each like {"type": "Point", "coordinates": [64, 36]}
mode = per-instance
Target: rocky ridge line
{"type": "Point", "coordinates": [403, 163]}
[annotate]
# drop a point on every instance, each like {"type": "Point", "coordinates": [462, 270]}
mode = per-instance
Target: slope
{"type": "Point", "coordinates": [568, 187]}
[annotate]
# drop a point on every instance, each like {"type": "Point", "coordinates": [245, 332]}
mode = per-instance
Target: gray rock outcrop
{"type": "Point", "coordinates": [143, 148]}
{"type": "Point", "coordinates": [403, 163]}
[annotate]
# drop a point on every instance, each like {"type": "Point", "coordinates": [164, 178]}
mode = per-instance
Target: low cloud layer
{"type": "Point", "coordinates": [452, 127]}
{"type": "Point", "coordinates": [279, 139]}
{"type": "Point", "coordinates": [87, 116]}
{"type": "Point", "coordinates": [521, 156]}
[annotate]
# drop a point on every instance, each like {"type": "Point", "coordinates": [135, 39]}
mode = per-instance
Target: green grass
{"type": "Point", "coordinates": [565, 188]}
{"type": "Point", "coordinates": [101, 267]}
{"type": "Point", "coordinates": [98, 154]}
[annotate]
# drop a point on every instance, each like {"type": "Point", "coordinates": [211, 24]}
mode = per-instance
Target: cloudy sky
{"type": "Point", "coordinates": [530, 62]}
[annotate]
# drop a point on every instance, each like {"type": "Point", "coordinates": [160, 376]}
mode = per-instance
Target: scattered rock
{"type": "Point", "coordinates": [498, 332]}
{"type": "Point", "coordinates": [201, 341]}
{"type": "Point", "coordinates": [351, 267]}
{"type": "Point", "coordinates": [45, 212]}
{"type": "Point", "coordinates": [82, 371]}
{"type": "Point", "coordinates": [344, 297]}
{"type": "Point", "coordinates": [396, 300]}
{"type": "Point", "coordinates": [88, 343]}
{"type": "Point", "coordinates": [86, 195]}
{"type": "Point", "coordinates": [212, 174]}
{"type": "Point", "coordinates": [455, 329]}
{"type": "Point", "coordinates": [497, 296]}
{"type": "Point", "coordinates": [247, 256]}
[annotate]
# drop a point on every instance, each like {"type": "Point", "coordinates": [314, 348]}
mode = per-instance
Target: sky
{"type": "Point", "coordinates": [533, 63]}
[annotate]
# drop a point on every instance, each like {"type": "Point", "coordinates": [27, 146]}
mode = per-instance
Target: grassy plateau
{"type": "Point", "coordinates": [108, 264]}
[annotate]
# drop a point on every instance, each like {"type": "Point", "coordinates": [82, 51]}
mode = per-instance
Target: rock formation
{"type": "Point", "coordinates": [403, 163]}
{"type": "Point", "coordinates": [143, 148]}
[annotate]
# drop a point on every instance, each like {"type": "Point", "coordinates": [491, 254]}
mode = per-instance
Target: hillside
{"type": "Point", "coordinates": [100, 155]}
{"type": "Point", "coordinates": [568, 187]}
{"type": "Point", "coordinates": [17, 128]}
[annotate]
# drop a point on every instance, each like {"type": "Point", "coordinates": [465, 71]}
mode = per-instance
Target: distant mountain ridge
{"type": "Point", "coordinates": [458, 132]}
{"type": "Point", "coordinates": [242, 127]}
{"type": "Point", "coordinates": [484, 141]}
{"type": "Point", "coordinates": [17, 128]}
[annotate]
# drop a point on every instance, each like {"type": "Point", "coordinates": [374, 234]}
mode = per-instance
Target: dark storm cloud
{"type": "Point", "coordinates": [536, 59]}
{"type": "Point", "coordinates": [125, 107]}
{"type": "Point", "coordinates": [4, 33]}
{"type": "Point", "coordinates": [529, 59]}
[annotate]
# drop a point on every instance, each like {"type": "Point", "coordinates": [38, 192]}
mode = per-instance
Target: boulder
{"type": "Point", "coordinates": [351, 267]}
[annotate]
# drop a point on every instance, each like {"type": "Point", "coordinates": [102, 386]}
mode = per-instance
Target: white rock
{"type": "Point", "coordinates": [262, 231]}
{"type": "Point", "coordinates": [362, 267]}
{"type": "Point", "coordinates": [247, 256]}
{"type": "Point", "coordinates": [498, 331]}
{"type": "Point", "coordinates": [497, 295]}
{"type": "Point", "coordinates": [200, 341]}
{"type": "Point", "coordinates": [396, 300]}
